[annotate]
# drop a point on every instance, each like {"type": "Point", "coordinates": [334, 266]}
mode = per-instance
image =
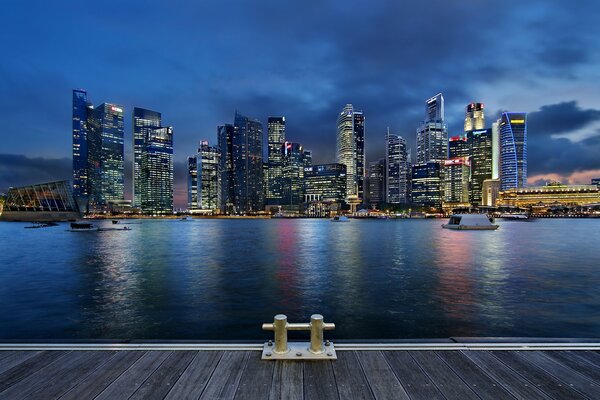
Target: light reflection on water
{"type": "Point", "coordinates": [220, 279]}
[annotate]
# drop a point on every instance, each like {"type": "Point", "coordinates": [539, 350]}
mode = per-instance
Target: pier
{"type": "Point", "coordinates": [446, 369]}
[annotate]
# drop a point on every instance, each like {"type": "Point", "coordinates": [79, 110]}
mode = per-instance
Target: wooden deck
{"type": "Point", "coordinates": [357, 374]}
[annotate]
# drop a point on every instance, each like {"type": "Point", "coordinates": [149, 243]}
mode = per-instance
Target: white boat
{"type": "Point", "coordinates": [470, 222]}
{"type": "Point", "coordinates": [515, 216]}
{"type": "Point", "coordinates": [340, 218]}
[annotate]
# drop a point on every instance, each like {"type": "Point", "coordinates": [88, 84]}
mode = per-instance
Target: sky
{"type": "Point", "coordinates": [198, 61]}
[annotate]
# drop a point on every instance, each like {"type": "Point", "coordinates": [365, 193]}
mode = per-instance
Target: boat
{"type": "Point", "coordinates": [515, 216]}
{"type": "Point", "coordinates": [340, 218]}
{"type": "Point", "coordinates": [82, 227]}
{"type": "Point", "coordinates": [125, 228]}
{"type": "Point", "coordinates": [114, 221]}
{"type": "Point", "coordinates": [470, 222]}
{"type": "Point", "coordinates": [41, 225]}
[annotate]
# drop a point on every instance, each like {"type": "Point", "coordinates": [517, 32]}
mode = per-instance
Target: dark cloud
{"type": "Point", "coordinates": [18, 170]}
{"type": "Point", "coordinates": [560, 119]}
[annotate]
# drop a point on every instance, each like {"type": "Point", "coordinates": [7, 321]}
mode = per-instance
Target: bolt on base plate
{"type": "Point", "coordinates": [298, 351]}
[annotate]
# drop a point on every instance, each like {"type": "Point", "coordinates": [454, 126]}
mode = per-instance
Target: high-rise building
{"type": "Point", "coordinates": [377, 182]}
{"type": "Point", "coordinates": [192, 183]}
{"type": "Point", "coordinates": [208, 177]}
{"type": "Point", "coordinates": [513, 150]}
{"type": "Point", "coordinates": [81, 114]}
{"type": "Point", "coordinates": [481, 147]}
{"type": "Point", "coordinates": [456, 180]}
{"type": "Point", "coordinates": [426, 184]}
{"type": "Point", "coordinates": [397, 170]}
{"type": "Point", "coordinates": [156, 186]}
{"type": "Point", "coordinates": [307, 158]}
{"type": "Point", "coordinates": [596, 181]}
{"type": "Point", "coordinates": [496, 149]}
{"type": "Point", "coordinates": [247, 154]}
{"type": "Point", "coordinates": [325, 182]}
{"type": "Point", "coordinates": [350, 149]}
{"type": "Point", "coordinates": [274, 178]}
{"type": "Point", "coordinates": [144, 121]}
{"type": "Point", "coordinates": [474, 117]}
{"type": "Point", "coordinates": [432, 134]}
{"type": "Point", "coordinates": [490, 192]}
{"type": "Point", "coordinates": [226, 168]}
{"type": "Point", "coordinates": [105, 157]}
{"type": "Point", "coordinates": [458, 146]}
{"type": "Point", "coordinates": [293, 174]}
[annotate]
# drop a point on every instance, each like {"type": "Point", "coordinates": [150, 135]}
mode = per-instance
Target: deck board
{"type": "Point", "coordinates": [356, 374]}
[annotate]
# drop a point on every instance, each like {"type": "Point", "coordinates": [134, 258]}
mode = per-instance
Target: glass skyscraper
{"type": "Point", "coordinates": [350, 149]}
{"type": "Point", "coordinates": [481, 151]}
{"type": "Point", "coordinates": [293, 175]}
{"type": "Point", "coordinates": [105, 156]}
{"type": "Point", "coordinates": [144, 121]}
{"type": "Point", "coordinates": [456, 180]}
{"type": "Point", "coordinates": [192, 183]}
{"type": "Point", "coordinates": [397, 170]}
{"type": "Point", "coordinates": [377, 182]}
{"type": "Point", "coordinates": [426, 184]}
{"type": "Point", "coordinates": [81, 113]}
{"type": "Point", "coordinates": [157, 172]}
{"type": "Point", "coordinates": [274, 178]}
{"type": "Point", "coordinates": [208, 176]}
{"type": "Point", "coordinates": [432, 134]}
{"type": "Point", "coordinates": [226, 170]}
{"type": "Point", "coordinates": [474, 117]}
{"type": "Point", "coordinates": [513, 150]}
{"type": "Point", "coordinates": [248, 165]}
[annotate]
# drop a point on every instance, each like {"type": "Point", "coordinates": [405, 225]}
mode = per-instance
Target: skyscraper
{"type": "Point", "coordinates": [432, 134]}
{"type": "Point", "coordinates": [156, 195]}
{"type": "Point", "coordinates": [247, 158]}
{"type": "Point", "coordinates": [426, 184]}
{"type": "Point", "coordinates": [292, 176]}
{"type": "Point", "coordinates": [350, 149]}
{"type": "Point", "coordinates": [81, 113]}
{"type": "Point", "coordinates": [226, 170]}
{"type": "Point", "coordinates": [192, 183]}
{"type": "Point", "coordinates": [105, 156]}
{"type": "Point", "coordinates": [481, 149]}
{"type": "Point", "coordinates": [208, 177]}
{"type": "Point", "coordinates": [275, 140]}
{"type": "Point", "coordinates": [513, 150]}
{"type": "Point", "coordinates": [144, 121]}
{"type": "Point", "coordinates": [474, 117]}
{"type": "Point", "coordinates": [458, 146]}
{"type": "Point", "coordinates": [377, 182]}
{"type": "Point", "coordinates": [456, 180]}
{"type": "Point", "coordinates": [396, 170]}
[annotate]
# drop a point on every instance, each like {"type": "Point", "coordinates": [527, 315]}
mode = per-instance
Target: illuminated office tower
{"type": "Point", "coordinates": [397, 170]}
{"type": "Point", "coordinates": [156, 195]}
{"type": "Point", "coordinates": [456, 180]}
{"type": "Point", "coordinates": [274, 177]}
{"type": "Point", "coordinates": [208, 159]}
{"type": "Point", "coordinates": [105, 156]}
{"type": "Point", "coordinates": [377, 182]}
{"type": "Point", "coordinates": [292, 175]}
{"type": "Point", "coordinates": [226, 171]}
{"type": "Point", "coordinates": [81, 113]}
{"type": "Point", "coordinates": [513, 150]}
{"type": "Point", "coordinates": [350, 149]}
{"type": "Point", "coordinates": [247, 147]}
{"type": "Point", "coordinates": [426, 184]}
{"type": "Point", "coordinates": [496, 149]}
{"type": "Point", "coordinates": [325, 183]}
{"type": "Point", "coordinates": [307, 158]}
{"type": "Point", "coordinates": [458, 146]}
{"type": "Point", "coordinates": [192, 183]}
{"type": "Point", "coordinates": [144, 121]}
{"type": "Point", "coordinates": [432, 134]}
{"type": "Point", "coordinates": [481, 147]}
{"type": "Point", "coordinates": [474, 117]}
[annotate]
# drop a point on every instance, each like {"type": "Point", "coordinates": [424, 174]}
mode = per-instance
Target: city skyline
{"type": "Point", "coordinates": [196, 84]}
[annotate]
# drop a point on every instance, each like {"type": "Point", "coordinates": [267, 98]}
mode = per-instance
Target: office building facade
{"type": "Point", "coordinates": [325, 183]}
{"type": "Point", "coordinates": [474, 117]}
{"type": "Point", "coordinates": [432, 134]}
{"type": "Point", "coordinates": [226, 168]}
{"type": "Point", "coordinates": [156, 186]}
{"type": "Point", "coordinates": [208, 160]}
{"type": "Point", "coordinates": [293, 164]}
{"type": "Point", "coordinates": [350, 149]}
{"type": "Point", "coordinates": [481, 150]}
{"type": "Point", "coordinates": [81, 114]}
{"type": "Point", "coordinates": [274, 176]}
{"type": "Point", "coordinates": [144, 121]}
{"type": "Point", "coordinates": [192, 183]}
{"type": "Point", "coordinates": [377, 183]}
{"type": "Point", "coordinates": [513, 150]}
{"type": "Point", "coordinates": [397, 170]}
{"type": "Point", "coordinates": [427, 185]}
{"type": "Point", "coordinates": [456, 174]}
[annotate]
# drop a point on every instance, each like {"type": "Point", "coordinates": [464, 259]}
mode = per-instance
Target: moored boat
{"type": "Point", "coordinates": [470, 222]}
{"type": "Point", "coordinates": [82, 227]}
{"type": "Point", "coordinates": [340, 218]}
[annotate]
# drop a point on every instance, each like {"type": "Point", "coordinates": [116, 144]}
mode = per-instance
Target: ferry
{"type": "Point", "coordinates": [470, 222]}
{"type": "Point", "coordinates": [82, 227]}
{"type": "Point", "coordinates": [515, 216]}
{"type": "Point", "coordinates": [340, 218]}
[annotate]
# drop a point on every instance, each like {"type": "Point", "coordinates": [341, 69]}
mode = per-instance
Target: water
{"type": "Point", "coordinates": [220, 279]}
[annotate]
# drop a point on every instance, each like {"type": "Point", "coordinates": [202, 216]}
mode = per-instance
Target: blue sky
{"type": "Point", "coordinates": [197, 62]}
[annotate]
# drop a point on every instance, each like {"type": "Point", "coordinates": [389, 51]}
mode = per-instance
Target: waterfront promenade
{"type": "Point", "coordinates": [429, 370]}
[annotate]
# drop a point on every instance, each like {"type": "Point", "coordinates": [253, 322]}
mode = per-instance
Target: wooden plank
{"type": "Point", "coordinates": [383, 382]}
{"type": "Point", "coordinates": [225, 379]}
{"type": "Point", "coordinates": [6, 353]}
{"type": "Point", "coordinates": [287, 381]}
{"type": "Point", "coordinates": [319, 381]}
{"type": "Point", "coordinates": [514, 383]}
{"type": "Point", "coordinates": [442, 376]}
{"type": "Point", "coordinates": [57, 378]}
{"type": "Point", "coordinates": [162, 379]}
{"type": "Point", "coordinates": [580, 364]}
{"type": "Point", "coordinates": [16, 358]}
{"type": "Point", "coordinates": [537, 376]}
{"type": "Point", "coordinates": [484, 386]}
{"type": "Point", "coordinates": [563, 373]}
{"type": "Point", "coordinates": [94, 383]}
{"type": "Point", "coordinates": [591, 356]}
{"type": "Point", "coordinates": [192, 382]}
{"type": "Point", "coordinates": [414, 380]}
{"type": "Point", "coordinates": [256, 380]}
{"type": "Point", "coordinates": [349, 377]}
{"type": "Point", "coordinates": [28, 367]}
{"type": "Point", "coordinates": [130, 380]}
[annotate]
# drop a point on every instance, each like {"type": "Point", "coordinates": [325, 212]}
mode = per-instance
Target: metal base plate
{"type": "Point", "coordinates": [298, 351]}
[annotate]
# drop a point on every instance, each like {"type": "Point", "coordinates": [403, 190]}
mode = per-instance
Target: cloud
{"type": "Point", "coordinates": [19, 170]}
{"type": "Point", "coordinates": [560, 118]}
